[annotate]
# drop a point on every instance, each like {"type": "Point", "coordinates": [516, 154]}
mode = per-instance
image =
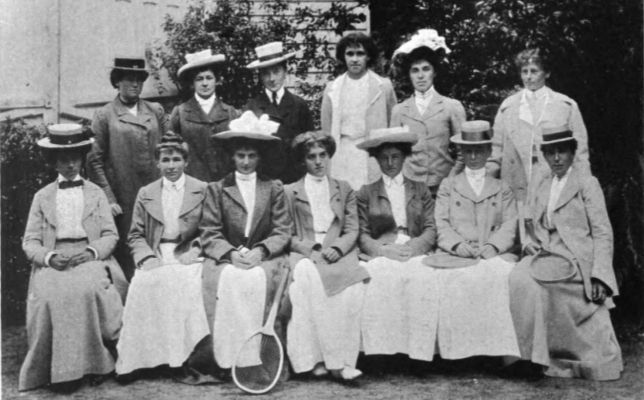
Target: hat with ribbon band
{"type": "Point", "coordinates": [270, 54]}
{"type": "Point", "coordinates": [396, 134]}
{"type": "Point", "coordinates": [66, 136]}
{"type": "Point", "coordinates": [473, 132]}
{"type": "Point", "coordinates": [200, 59]}
{"type": "Point", "coordinates": [558, 134]}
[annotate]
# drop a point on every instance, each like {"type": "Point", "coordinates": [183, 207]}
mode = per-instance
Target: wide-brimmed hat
{"type": "Point", "coordinates": [128, 65]}
{"type": "Point", "coordinates": [546, 266]}
{"type": "Point", "coordinates": [66, 136]}
{"type": "Point", "coordinates": [448, 261]}
{"type": "Point", "coordinates": [428, 38]}
{"type": "Point", "coordinates": [473, 132]}
{"type": "Point", "coordinates": [200, 59]}
{"type": "Point", "coordinates": [248, 126]}
{"type": "Point", "coordinates": [396, 134]}
{"type": "Point", "coordinates": [270, 54]}
{"type": "Point", "coordinates": [557, 134]}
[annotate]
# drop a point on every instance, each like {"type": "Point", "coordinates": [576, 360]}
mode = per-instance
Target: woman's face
{"type": "Point", "coordinates": [475, 155]}
{"type": "Point", "coordinates": [68, 164]}
{"type": "Point", "coordinates": [356, 59]}
{"type": "Point", "coordinates": [422, 74]}
{"type": "Point", "coordinates": [390, 159]}
{"type": "Point", "coordinates": [204, 83]}
{"type": "Point", "coordinates": [130, 87]}
{"type": "Point", "coordinates": [171, 164]}
{"type": "Point", "coordinates": [246, 160]}
{"type": "Point", "coordinates": [559, 158]}
{"type": "Point", "coordinates": [533, 76]}
{"type": "Point", "coordinates": [317, 161]}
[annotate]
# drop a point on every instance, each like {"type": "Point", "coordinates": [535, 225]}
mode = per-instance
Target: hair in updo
{"type": "Point", "coordinates": [536, 56]}
{"type": "Point", "coordinates": [423, 54]}
{"type": "Point", "coordinates": [304, 142]}
{"type": "Point", "coordinates": [171, 141]}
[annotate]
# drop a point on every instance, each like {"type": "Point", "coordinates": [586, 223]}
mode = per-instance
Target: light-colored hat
{"type": "Point", "coordinates": [269, 54]}
{"type": "Point", "coordinates": [396, 134]}
{"type": "Point", "coordinates": [65, 136]}
{"type": "Point", "coordinates": [557, 134]}
{"type": "Point", "coordinates": [551, 267]}
{"type": "Point", "coordinates": [248, 126]}
{"type": "Point", "coordinates": [473, 132]}
{"type": "Point", "coordinates": [200, 59]}
{"type": "Point", "coordinates": [423, 38]}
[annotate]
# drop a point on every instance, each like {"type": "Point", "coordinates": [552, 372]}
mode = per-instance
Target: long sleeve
{"type": "Point", "coordinates": [368, 245]}
{"type": "Point", "coordinates": [493, 164]}
{"type": "Point", "coordinates": [213, 241]}
{"type": "Point", "coordinates": [279, 237]}
{"type": "Point", "coordinates": [96, 157]}
{"type": "Point", "coordinates": [105, 244]}
{"type": "Point", "coordinates": [504, 237]}
{"type": "Point", "coordinates": [136, 238]}
{"type": "Point", "coordinates": [347, 239]}
{"type": "Point", "coordinates": [579, 132]}
{"type": "Point", "coordinates": [457, 117]}
{"type": "Point", "coordinates": [391, 100]}
{"type": "Point", "coordinates": [427, 239]}
{"type": "Point", "coordinates": [175, 120]}
{"type": "Point", "coordinates": [33, 240]}
{"type": "Point", "coordinates": [326, 112]}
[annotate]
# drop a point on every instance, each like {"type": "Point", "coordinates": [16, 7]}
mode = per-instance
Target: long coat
{"type": "Point", "coordinates": [382, 99]}
{"type": "Point", "coordinates": [430, 161]}
{"type": "Point", "coordinates": [377, 222]}
{"type": "Point", "coordinates": [294, 117]}
{"type": "Point", "coordinates": [147, 220]}
{"type": "Point", "coordinates": [341, 235]}
{"type": "Point", "coordinates": [207, 161]}
{"type": "Point", "coordinates": [462, 216]}
{"type": "Point", "coordinates": [581, 219]}
{"type": "Point", "coordinates": [122, 159]}
{"type": "Point", "coordinates": [512, 140]}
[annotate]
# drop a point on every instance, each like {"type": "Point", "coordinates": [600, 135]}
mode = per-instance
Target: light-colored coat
{"type": "Point", "coordinates": [512, 140]}
{"type": "Point", "coordinates": [581, 219]}
{"type": "Point", "coordinates": [97, 221]}
{"type": "Point", "coordinates": [377, 220]}
{"type": "Point", "coordinates": [430, 161]}
{"type": "Point", "coordinates": [462, 216]}
{"type": "Point", "coordinates": [147, 220]}
{"type": "Point", "coordinates": [207, 161]}
{"type": "Point", "coordinates": [341, 235]}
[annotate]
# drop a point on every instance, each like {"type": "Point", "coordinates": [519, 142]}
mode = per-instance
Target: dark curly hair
{"type": "Point", "coordinates": [357, 39]}
{"type": "Point", "coordinates": [405, 148]}
{"type": "Point", "coordinates": [307, 140]}
{"type": "Point", "coordinates": [171, 141]}
{"type": "Point", "coordinates": [536, 56]}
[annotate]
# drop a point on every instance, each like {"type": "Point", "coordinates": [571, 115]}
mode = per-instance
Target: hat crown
{"type": "Point", "coordinates": [473, 132]}
{"type": "Point", "coordinates": [272, 49]}
{"type": "Point", "coordinates": [249, 123]}
{"type": "Point", "coordinates": [202, 55]}
{"type": "Point", "coordinates": [386, 132]}
{"type": "Point", "coordinates": [129, 63]}
{"type": "Point", "coordinates": [424, 38]}
{"type": "Point", "coordinates": [556, 134]}
{"type": "Point", "coordinates": [63, 136]}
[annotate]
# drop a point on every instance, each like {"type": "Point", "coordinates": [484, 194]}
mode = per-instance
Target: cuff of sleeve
{"type": "Point", "coordinates": [48, 257]}
{"type": "Point", "coordinates": [338, 250]}
{"type": "Point", "coordinates": [94, 251]}
{"type": "Point", "coordinates": [140, 263]}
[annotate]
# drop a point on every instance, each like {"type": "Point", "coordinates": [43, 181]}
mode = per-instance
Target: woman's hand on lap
{"type": "Point", "coordinates": [82, 257]}
{"type": "Point", "coordinates": [58, 262]}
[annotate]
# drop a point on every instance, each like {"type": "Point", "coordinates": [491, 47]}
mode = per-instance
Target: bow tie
{"type": "Point", "coordinates": [69, 184]}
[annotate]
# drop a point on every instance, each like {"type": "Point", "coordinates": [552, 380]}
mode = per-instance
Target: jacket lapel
{"type": "Point", "coordinates": [231, 189]}
{"type": "Point", "coordinates": [152, 201]}
{"type": "Point", "coordinates": [569, 190]}
{"type": "Point", "coordinates": [435, 106]}
{"type": "Point", "coordinates": [334, 193]}
{"type": "Point", "coordinates": [301, 197]}
{"type": "Point", "coordinates": [410, 196]}
{"type": "Point", "coordinates": [90, 200]}
{"type": "Point", "coordinates": [262, 203]}
{"type": "Point", "coordinates": [374, 87]}
{"type": "Point", "coordinates": [462, 186]}
{"type": "Point", "coordinates": [49, 206]}
{"type": "Point", "coordinates": [142, 119]}
{"type": "Point", "coordinates": [192, 196]}
{"type": "Point", "coordinates": [490, 188]}
{"type": "Point", "coordinates": [286, 105]}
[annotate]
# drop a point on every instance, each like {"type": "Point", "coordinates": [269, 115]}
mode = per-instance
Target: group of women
{"type": "Point", "coordinates": [403, 228]}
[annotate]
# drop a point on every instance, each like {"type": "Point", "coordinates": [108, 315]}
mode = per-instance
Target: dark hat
{"type": "Point", "coordinates": [66, 136]}
{"type": "Point", "coordinates": [127, 65]}
{"type": "Point", "coordinates": [555, 135]}
{"type": "Point", "coordinates": [473, 132]}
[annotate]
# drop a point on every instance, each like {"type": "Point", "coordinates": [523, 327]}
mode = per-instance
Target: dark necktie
{"type": "Point", "coordinates": [69, 184]}
{"type": "Point", "coordinates": [275, 99]}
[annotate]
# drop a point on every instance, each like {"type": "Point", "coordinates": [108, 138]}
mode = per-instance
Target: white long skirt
{"type": "Point", "coordinates": [164, 316]}
{"type": "Point", "coordinates": [474, 310]}
{"type": "Point", "coordinates": [322, 329]}
{"type": "Point", "coordinates": [239, 312]}
{"type": "Point", "coordinates": [400, 313]}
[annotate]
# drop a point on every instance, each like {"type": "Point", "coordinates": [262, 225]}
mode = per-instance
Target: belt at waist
{"type": "Point", "coordinates": [71, 240]}
{"type": "Point", "coordinates": [172, 240]}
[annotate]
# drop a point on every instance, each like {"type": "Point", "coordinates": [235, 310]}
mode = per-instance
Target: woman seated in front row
{"type": "Point", "coordinates": [327, 290]}
{"type": "Point", "coordinates": [476, 222]}
{"type": "Point", "coordinates": [396, 229]}
{"type": "Point", "coordinates": [245, 231]}
{"type": "Point", "coordinates": [164, 316]}
{"type": "Point", "coordinates": [76, 288]}
{"type": "Point", "coordinates": [562, 293]}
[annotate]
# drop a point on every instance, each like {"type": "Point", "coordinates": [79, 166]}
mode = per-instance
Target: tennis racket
{"type": "Point", "coordinates": [259, 361]}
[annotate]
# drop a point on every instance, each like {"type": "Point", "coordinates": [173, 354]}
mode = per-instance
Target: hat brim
{"type": "Point", "coordinates": [274, 61]}
{"type": "Point", "coordinates": [458, 140]}
{"type": "Point", "coordinates": [448, 261]}
{"type": "Point", "coordinates": [551, 267]}
{"type": "Point", "coordinates": [46, 143]}
{"type": "Point", "coordinates": [409, 137]}
{"type": "Point", "coordinates": [551, 142]}
{"type": "Point", "coordinates": [245, 135]}
{"type": "Point", "coordinates": [212, 60]}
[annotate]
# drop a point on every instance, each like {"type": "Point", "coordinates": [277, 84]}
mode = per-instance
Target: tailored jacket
{"type": "Point", "coordinates": [512, 140]}
{"type": "Point", "coordinates": [462, 216]}
{"type": "Point", "coordinates": [342, 235]}
{"type": "Point", "coordinates": [207, 161]}
{"type": "Point", "coordinates": [224, 219]}
{"type": "Point", "coordinates": [377, 220]}
{"type": "Point", "coordinates": [97, 221]}
{"type": "Point", "coordinates": [122, 157]}
{"type": "Point", "coordinates": [581, 219]}
{"type": "Point", "coordinates": [147, 220]}
{"type": "Point", "coordinates": [294, 117]}
{"type": "Point", "coordinates": [430, 161]}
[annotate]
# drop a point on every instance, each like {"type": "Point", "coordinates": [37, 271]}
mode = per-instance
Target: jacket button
{"type": "Point", "coordinates": [458, 204]}
{"type": "Point", "coordinates": [511, 161]}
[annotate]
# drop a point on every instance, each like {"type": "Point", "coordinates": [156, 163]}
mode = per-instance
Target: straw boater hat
{"type": "Point", "coordinates": [473, 132]}
{"type": "Point", "coordinates": [556, 134]}
{"type": "Point", "coordinates": [428, 38]}
{"type": "Point", "coordinates": [66, 136]}
{"type": "Point", "coordinates": [248, 126]}
{"type": "Point", "coordinates": [200, 59]}
{"type": "Point", "coordinates": [551, 267]}
{"type": "Point", "coordinates": [270, 54]}
{"type": "Point", "coordinates": [397, 134]}
{"type": "Point", "coordinates": [125, 65]}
